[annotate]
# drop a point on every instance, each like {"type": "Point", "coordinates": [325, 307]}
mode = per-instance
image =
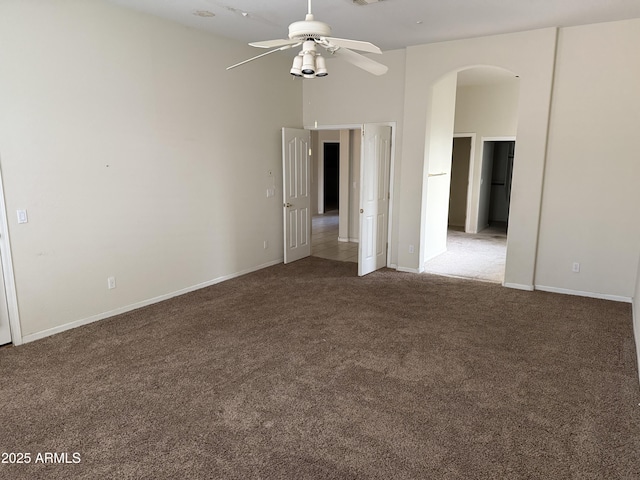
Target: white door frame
{"type": "Point", "coordinates": [354, 126]}
{"type": "Point", "coordinates": [7, 269]}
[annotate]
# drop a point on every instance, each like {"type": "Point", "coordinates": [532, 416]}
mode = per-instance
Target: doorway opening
{"type": "Point", "coordinates": [479, 192]}
{"type": "Point", "coordinates": [331, 177]}
{"type": "Point", "coordinates": [355, 162]}
{"type": "Point", "coordinates": [498, 157]}
{"type": "Point", "coordinates": [334, 226]}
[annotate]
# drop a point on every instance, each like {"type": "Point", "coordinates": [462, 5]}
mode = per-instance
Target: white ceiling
{"type": "Point", "coordinates": [390, 24]}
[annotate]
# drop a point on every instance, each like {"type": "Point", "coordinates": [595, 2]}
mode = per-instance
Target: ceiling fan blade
{"type": "Point", "coordinates": [286, 47]}
{"type": "Point", "coordinates": [360, 61]}
{"type": "Point", "coordinates": [273, 43]}
{"type": "Point", "coordinates": [353, 44]}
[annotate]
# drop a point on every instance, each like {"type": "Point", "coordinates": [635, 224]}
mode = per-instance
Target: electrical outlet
{"type": "Point", "coordinates": [411, 249]}
{"type": "Point", "coordinates": [22, 216]}
{"type": "Point", "coordinates": [575, 268]}
{"type": "Point", "coordinates": [111, 283]}
{"type": "Point", "coordinates": [266, 244]}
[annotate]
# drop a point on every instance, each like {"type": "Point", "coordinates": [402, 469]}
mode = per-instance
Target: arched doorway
{"type": "Point", "coordinates": [477, 109]}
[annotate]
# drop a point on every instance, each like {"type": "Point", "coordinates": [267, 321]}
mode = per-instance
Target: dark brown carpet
{"type": "Point", "coordinates": [305, 371]}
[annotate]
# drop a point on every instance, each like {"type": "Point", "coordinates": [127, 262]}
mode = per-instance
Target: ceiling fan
{"type": "Point", "coordinates": [309, 63]}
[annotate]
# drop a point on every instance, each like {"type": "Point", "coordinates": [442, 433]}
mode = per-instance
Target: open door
{"type": "Point", "coordinates": [374, 197]}
{"type": "Point", "coordinates": [5, 332]}
{"type": "Point", "coordinates": [296, 172]}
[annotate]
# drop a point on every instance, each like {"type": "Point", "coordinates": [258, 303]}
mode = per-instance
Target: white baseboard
{"type": "Point", "coordinates": [101, 316]}
{"type": "Point", "coordinates": [409, 270]}
{"type": "Point", "coordinates": [601, 296]}
{"type": "Point", "coordinates": [343, 239]}
{"type": "Point", "coordinates": [635, 307]}
{"type": "Point", "coordinates": [519, 286]}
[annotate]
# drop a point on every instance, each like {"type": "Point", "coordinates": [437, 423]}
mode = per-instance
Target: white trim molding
{"type": "Point", "coordinates": [636, 330]}
{"type": "Point", "coordinates": [518, 286]}
{"type": "Point", "coordinates": [601, 296]}
{"type": "Point", "coordinates": [11, 295]}
{"type": "Point", "coordinates": [410, 270]}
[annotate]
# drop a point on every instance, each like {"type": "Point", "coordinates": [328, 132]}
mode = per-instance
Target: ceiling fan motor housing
{"type": "Point", "coordinates": [309, 28]}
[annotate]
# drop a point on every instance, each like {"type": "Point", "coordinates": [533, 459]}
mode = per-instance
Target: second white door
{"type": "Point", "coordinates": [296, 177]}
{"type": "Point", "coordinates": [374, 197]}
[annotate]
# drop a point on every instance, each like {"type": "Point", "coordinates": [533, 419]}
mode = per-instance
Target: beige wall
{"type": "Point", "coordinates": [354, 185]}
{"type": "Point", "coordinates": [459, 181]}
{"type": "Point", "coordinates": [591, 194]}
{"type": "Point", "coordinates": [136, 155]}
{"type": "Point", "coordinates": [488, 111]}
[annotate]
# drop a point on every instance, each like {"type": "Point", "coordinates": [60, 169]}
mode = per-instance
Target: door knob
{"type": "Point", "coordinates": [361, 210]}
{"type": "Point", "coordinates": [287, 205]}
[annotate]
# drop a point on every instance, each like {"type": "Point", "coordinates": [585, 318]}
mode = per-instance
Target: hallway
{"type": "Point", "coordinates": [324, 239]}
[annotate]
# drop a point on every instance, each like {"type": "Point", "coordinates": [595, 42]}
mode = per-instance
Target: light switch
{"type": "Point", "coordinates": [22, 216]}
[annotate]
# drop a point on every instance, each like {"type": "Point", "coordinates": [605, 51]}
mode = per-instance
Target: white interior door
{"type": "Point", "coordinates": [374, 197]}
{"type": "Point", "coordinates": [296, 177]}
{"type": "Point", "coordinates": [5, 332]}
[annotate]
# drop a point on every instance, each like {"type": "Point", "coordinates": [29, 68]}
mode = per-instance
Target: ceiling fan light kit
{"type": "Point", "coordinates": [296, 68]}
{"type": "Point", "coordinates": [309, 63]}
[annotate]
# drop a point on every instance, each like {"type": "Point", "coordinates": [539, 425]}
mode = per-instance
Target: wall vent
{"type": "Point", "coordinates": [365, 2]}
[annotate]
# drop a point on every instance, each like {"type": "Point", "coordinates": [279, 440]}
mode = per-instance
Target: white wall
{"type": "Point", "coordinates": [487, 111]}
{"type": "Point", "coordinates": [136, 155]}
{"type": "Point", "coordinates": [437, 167]}
{"type": "Point", "coordinates": [591, 194]}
